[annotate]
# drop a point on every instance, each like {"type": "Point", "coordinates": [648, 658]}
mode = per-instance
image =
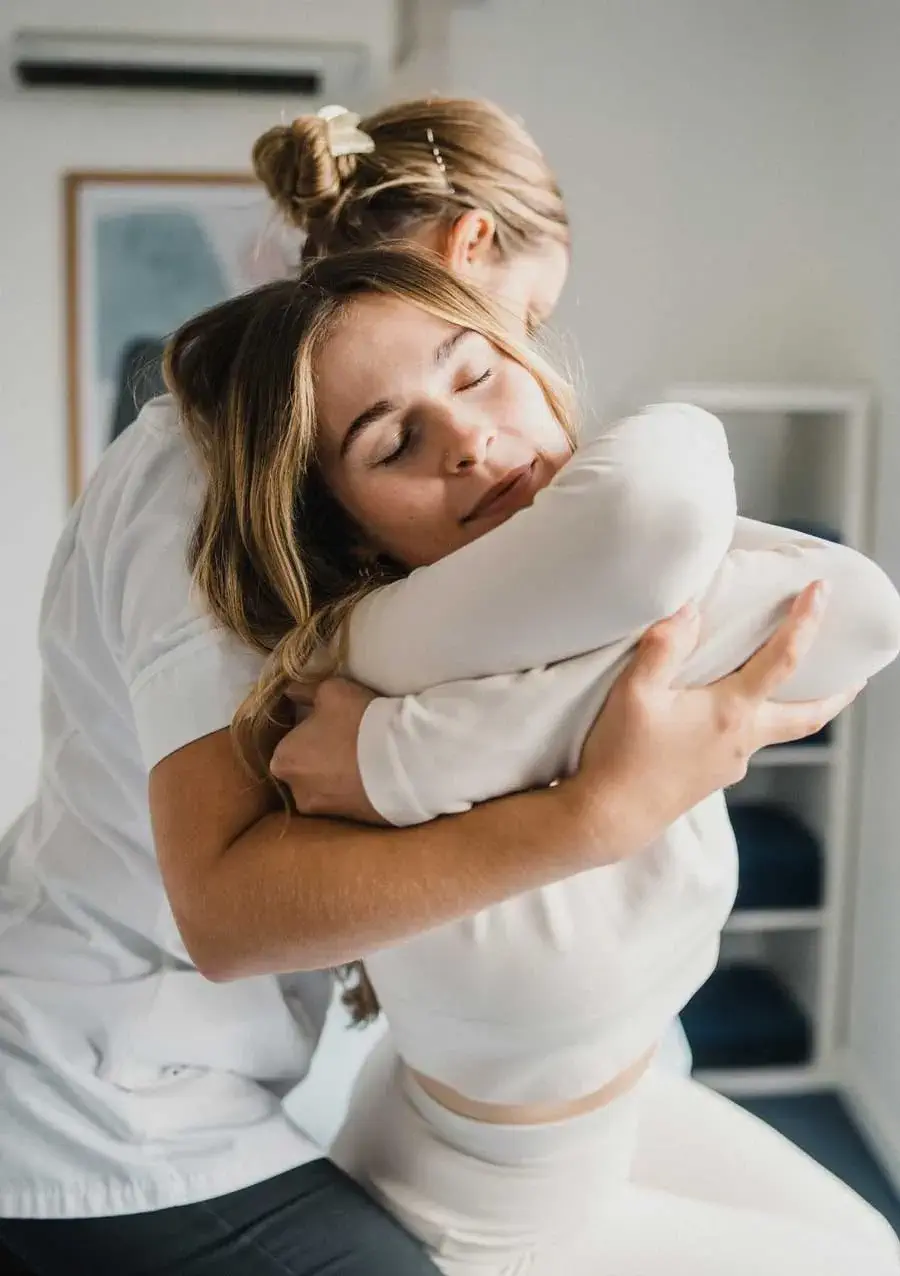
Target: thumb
{"type": "Point", "coordinates": [286, 755]}
{"type": "Point", "coordinates": [666, 646]}
{"type": "Point", "coordinates": [279, 763]}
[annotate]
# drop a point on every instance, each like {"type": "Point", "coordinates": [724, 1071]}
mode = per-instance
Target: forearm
{"type": "Point", "coordinates": [441, 752]}
{"type": "Point", "coordinates": [296, 893]}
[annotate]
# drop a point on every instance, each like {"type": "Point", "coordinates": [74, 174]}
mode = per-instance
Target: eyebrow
{"type": "Point", "coordinates": [383, 407]}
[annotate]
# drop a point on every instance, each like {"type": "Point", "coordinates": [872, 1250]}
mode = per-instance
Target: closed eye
{"type": "Point", "coordinates": [404, 441]}
{"type": "Point", "coordinates": [407, 437]}
{"type": "Point", "coordinates": [485, 376]}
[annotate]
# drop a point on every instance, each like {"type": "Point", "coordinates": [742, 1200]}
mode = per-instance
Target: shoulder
{"type": "Point", "coordinates": [141, 503]}
{"type": "Point", "coordinates": [151, 465]}
{"type": "Point", "coordinates": [129, 534]}
{"type": "Point", "coordinates": [147, 488]}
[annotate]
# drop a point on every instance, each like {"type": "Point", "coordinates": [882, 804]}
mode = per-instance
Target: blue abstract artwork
{"type": "Point", "coordinates": [152, 252]}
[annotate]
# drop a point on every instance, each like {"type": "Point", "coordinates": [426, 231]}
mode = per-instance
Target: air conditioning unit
{"type": "Point", "coordinates": [155, 63]}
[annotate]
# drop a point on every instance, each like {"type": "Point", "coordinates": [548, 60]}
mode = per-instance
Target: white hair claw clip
{"type": "Point", "coordinates": [344, 135]}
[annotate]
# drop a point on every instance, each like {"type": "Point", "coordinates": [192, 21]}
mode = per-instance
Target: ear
{"type": "Point", "coordinates": [470, 241]}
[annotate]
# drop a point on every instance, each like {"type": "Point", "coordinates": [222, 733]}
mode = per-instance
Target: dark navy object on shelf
{"type": "Point", "coordinates": [744, 1017]}
{"type": "Point", "coordinates": [812, 528]}
{"type": "Point", "coordinates": [779, 859]}
{"type": "Point", "coordinates": [820, 737]}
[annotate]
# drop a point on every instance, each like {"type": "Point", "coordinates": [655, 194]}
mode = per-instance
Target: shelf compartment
{"type": "Point", "coordinates": [745, 1017]}
{"type": "Point", "coordinates": [780, 859]}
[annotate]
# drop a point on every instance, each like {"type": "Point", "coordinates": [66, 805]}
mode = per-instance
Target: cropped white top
{"type": "Point", "coordinates": [503, 653]}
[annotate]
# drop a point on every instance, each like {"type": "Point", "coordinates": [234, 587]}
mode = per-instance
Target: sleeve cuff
{"type": "Point", "coordinates": [383, 775]}
{"type": "Point", "coordinates": [191, 692]}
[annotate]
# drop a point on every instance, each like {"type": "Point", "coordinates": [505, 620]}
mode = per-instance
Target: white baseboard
{"type": "Point", "coordinates": [876, 1118]}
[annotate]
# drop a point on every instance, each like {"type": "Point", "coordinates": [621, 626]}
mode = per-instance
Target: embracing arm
{"type": "Point", "coordinates": [256, 891]}
{"type": "Point", "coordinates": [650, 502]}
{"type": "Point", "coordinates": [464, 742]}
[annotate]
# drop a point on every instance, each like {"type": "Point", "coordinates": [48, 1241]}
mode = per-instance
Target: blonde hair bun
{"type": "Point", "coordinates": [295, 164]}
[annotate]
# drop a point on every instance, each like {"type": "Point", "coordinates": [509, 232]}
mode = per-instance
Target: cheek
{"type": "Point", "coordinates": [399, 515]}
{"type": "Point", "coordinates": [531, 416]}
{"type": "Point", "coordinates": [370, 502]}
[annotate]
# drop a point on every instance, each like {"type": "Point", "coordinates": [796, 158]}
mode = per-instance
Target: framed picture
{"type": "Point", "coordinates": [145, 252]}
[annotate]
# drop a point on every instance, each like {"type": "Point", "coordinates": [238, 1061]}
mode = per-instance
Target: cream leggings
{"type": "Point", "coordinates": [671, 1180]}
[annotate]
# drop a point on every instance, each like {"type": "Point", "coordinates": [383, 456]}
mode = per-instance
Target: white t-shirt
{"type": "Point", "coordinates": [549, 995]}
{"type": "Point", "coordinates": [128, 1081]}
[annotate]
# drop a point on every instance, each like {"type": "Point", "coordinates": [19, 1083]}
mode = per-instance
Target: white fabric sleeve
{"type": "Point", "coordinates": [465, 742]}
{"type": "Point", "coordinates": [764, 571]}
{"type": "Point", "coordinates": [185, 674]}
{"type": "Point", "coordinates": [649, 504]}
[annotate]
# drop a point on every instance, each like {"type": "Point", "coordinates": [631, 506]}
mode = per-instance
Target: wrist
{"type": "Point", "coordinates": [599, 818]}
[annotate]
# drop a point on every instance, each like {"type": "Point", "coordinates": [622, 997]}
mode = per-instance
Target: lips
{"type": "Point", "coordinates": [504, 497]}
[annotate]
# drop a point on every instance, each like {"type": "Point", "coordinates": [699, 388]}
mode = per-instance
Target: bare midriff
{"type": "Point", "coordinates": [534, 1113]}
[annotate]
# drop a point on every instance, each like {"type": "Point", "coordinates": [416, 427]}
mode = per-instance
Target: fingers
{"type": "Point", "coordinates": [664, 649]}
{"type": "Point", "coordinates": [280, 765]}
{"type": "Point", "coordinates": [340, 695]}
{"type": "Point", "coordinates": [781, 723]}
{"type": "Point", "coordinates": [778, 659]}
{"type": "Point", "coordinates": [326, 692]}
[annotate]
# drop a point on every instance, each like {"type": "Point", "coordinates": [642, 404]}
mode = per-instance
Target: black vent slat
{"type": "Point", "coordinates": [93, 75]}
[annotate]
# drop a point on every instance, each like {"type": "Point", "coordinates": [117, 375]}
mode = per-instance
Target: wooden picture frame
{"type": "Point", "coordinates": [143, 252]}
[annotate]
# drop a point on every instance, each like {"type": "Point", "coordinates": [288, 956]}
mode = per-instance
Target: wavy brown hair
{"type": "Point", "coordinates": [487, 160]}
{"type": "Point", "coordinates": [276, 558]}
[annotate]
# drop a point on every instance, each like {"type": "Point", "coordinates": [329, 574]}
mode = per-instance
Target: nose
{"type": "Point", "coordinates": [465, 441]}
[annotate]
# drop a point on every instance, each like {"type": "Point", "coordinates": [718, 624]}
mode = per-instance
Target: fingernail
{"type": "Point", "coordinates": [823, 589]}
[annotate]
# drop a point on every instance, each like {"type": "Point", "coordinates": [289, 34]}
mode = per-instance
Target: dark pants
{"type": "Point", "coordinates": [312, 1221]}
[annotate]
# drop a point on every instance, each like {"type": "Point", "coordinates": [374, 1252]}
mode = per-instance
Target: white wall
{"type": "Point", "coordinates": [40, 138]}
{"type": "Point", "coordinates": [734, 174]}
{"type": "Point", "coordinates": [695, 142]}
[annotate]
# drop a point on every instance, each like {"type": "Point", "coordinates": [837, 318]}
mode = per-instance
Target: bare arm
{"type": "Point", "coordinates": [254, 890]}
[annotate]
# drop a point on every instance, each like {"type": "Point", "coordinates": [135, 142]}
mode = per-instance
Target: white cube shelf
{"type": "Point", "coordinates": [801, 457]}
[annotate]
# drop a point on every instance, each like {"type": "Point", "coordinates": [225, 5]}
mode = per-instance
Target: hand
{"type": "Point", "coordinates": [317, 758]}
{"type": "Point", "coordinates": [671, 747]}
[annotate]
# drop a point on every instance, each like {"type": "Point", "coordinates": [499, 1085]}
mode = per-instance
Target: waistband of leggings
{"type": "Point", "coordinates": [613, 1123]}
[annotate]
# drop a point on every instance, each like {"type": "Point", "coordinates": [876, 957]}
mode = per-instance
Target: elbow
{"type": "Point", "coordinates": [225, 949]}
{"type": "Point", "coordinates": [213, 954]}
{"type": "Point", "coordinates": [860, 632]}
{"type": "Point", "coordinates": [875, 617]}
{"type": "Point", "coordinates": [860, 629]}
{"type": "Point", "coordinates": [218, 970]}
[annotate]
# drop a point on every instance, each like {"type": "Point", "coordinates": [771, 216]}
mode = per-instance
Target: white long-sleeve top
{"type": "Point", "coordinates": [499, 657]}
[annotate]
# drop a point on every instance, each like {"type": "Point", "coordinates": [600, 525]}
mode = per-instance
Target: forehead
{"type": "Point", "coordinates": [372, 326]}
{"type": "Point", "coordinates": [376, 348]}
